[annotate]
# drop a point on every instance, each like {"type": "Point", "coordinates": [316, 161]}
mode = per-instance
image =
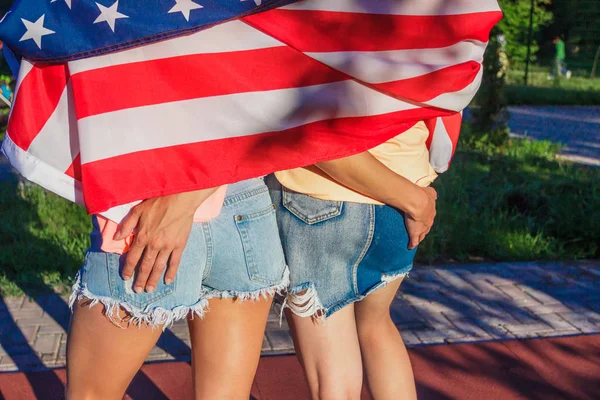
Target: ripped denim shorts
{"type": "Point", "coordinates": [236, 255]}
{"type": "Point", "coordinates": [338, 252]}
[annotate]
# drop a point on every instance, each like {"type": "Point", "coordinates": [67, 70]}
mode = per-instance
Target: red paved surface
{"type": "Point", "coordinates": [563, 368]}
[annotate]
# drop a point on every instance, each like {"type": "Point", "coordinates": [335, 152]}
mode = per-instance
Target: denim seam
{"type": "Point", "coordinates": [207, 232]}
{"type": "Point", "coordinates": [244, 195]}
{"type": "Point", "coordinates": [364, 250]}
{"type": "Point", "coordinates": [289, 205]}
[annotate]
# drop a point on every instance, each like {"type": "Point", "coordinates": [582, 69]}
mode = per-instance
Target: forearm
{"type": "Point", "coordinates": [365, 174]}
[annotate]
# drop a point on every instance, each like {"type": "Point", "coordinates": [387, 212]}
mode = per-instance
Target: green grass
{"type": "Point", "coordinates": [579, 90]}
{"type": "Point", "coordinates": [513, 203]}
{"type": "Point", "coordinates": [42, 240]}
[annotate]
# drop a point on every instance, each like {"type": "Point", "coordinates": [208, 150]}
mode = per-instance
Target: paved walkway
{"type": "Point", "coordinates": [538, 369]}
{"type": "Point", "coordinates": [436, 305]}
{"type": "Point", "coordinates": [578, 128]}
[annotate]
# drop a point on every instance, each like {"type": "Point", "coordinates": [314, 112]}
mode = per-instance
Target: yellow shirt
{"type": "Point", "coordinates": [405, 154]}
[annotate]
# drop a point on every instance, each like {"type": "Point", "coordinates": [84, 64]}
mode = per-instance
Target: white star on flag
{"type": "Point", "coordinates": [109, 14]}
{"type": "Point", "coordinates": [257, 2]}
{"type": "Point", "coordinates": [35, 30]}
{"type": "Point", "coordinates": [184, 7]}
{"type": "Point", "coordinates": [66, 1]}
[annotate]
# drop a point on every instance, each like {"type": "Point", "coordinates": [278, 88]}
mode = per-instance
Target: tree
{"type": "Point", "coordinates": [515, 26]}
{"type": "Point", "coordinates": [489, 118]}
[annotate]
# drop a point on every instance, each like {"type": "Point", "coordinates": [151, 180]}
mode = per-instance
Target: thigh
{"type": "Point", "coordinates": [330, 353]}
{"type": "Point", "coordinates": [376, 305]}
{"type": "Point", "coordinates": [226, 346]}
{"type": "Point", "coordinates": [103, 358]}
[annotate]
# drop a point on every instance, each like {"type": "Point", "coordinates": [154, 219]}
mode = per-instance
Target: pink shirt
{"type": "Point", "coordinates": [208, 210]}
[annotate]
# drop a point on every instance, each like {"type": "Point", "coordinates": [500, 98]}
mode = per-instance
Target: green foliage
{"type": "Point", "coordinates": [579, 90]}
{"type": "Point", "coordinates": [540, 96]}
{"type": "Point", "coordinates": [515, 203]}
{"type": "Point", "coordinates": [42, 239]}
{"type": "Point", "coordinates": [490, 115]}
{"type": "Point", "coordinates": [515, 26]}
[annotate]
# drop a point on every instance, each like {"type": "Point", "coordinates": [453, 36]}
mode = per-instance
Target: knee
{"type": "Point", "coordinates": [89, 394]}
{"type": "Point", "coordinates": [343, 384]}
{"type": "Point", "coordinates": [374, 325]}
{"type": "Point", "coordinates": [338, 390]}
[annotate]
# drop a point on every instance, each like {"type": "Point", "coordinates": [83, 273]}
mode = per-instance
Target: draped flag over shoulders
{"type": "Point", "coordinates": [308, 81]}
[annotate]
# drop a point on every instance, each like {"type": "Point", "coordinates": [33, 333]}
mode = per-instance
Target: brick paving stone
{"type": "Point", "coordinates": [12, 350]}
{"type": "Point", "coordinates": [434, 336]}
{"type": "Point", "coordinates": [62, 351]}
{"type": "Point", "coordinates": [522, 328]}
{"type": "Point", "coordinates": [12, 303]}
{"type": "Point", "coordinates": [27, 313]}
{"type": "Point", "coordinates": [280, 340]}
{"type": "Point", "coordinates": [265, 344]}
{"type": "Point", "coordinates": [470, 329]}
{"type": "Point", "coordinates": [409, 338]}
{"type": "Point", "coordinates": [586, 322]}
{"type": "Point", "coordinates": [548, 309]}
{"type": "Point", "coordinates": [19, 336]}
{"type": "Point", "coordinates": [556, 322]}
{"type": "Point", "coordinates": [435, 305]}
{"type": "Point", "coordinates": [451, 278]}
{"type": "Point", "coordinates": [47, 344]}
{"type": "Point", "coordinates": [277, 325]}
{"type": "Point", "coordinates": [50, 328]}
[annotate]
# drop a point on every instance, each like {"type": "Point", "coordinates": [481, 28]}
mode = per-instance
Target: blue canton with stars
{"type": "Point", "coordinates": [63, 30]}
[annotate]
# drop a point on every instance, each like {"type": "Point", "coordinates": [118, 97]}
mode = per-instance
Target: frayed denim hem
{"type": "Point", "coordinates": [255, 295]}
{"type": "Point", "coordinates": [154, 318]}
{"type": "Point", "coordinates": [303, 300]}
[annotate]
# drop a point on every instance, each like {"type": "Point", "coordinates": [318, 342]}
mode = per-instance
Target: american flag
{"type": "Point", "coordinates": [278, 89]}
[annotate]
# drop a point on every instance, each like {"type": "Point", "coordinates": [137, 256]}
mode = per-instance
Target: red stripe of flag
{"type": "Point", "coordinates": [114, 181]}
{"type": "Point", "coordinates": [74, 170]}
{"type": "Point", "coordinates": [36, 100]}
{"type": "Point", "coordinates": [327, 31]}
{"type": "Point", "coordinates": [427, 87]}
{"type": "Point", "coordinates": [195, 76]}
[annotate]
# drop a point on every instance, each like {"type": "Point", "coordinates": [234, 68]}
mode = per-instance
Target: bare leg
{"type": "Point", "coordinates": [102, 358]}
{"type": "Point", "coordinates": [226, 347]}
{"type": "Point", "coordinates": [388, 370]}
{"type": "Point", "coordinates": [330, 354]}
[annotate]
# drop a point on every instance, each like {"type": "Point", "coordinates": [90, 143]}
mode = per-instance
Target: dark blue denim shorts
{"type": "Point", "coordinates": [337, 252]}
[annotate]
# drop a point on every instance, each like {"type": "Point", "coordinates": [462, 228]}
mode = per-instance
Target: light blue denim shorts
{"type": "Point", "coordinates": [338, 252]}
{"type": "Point", "coordinates": [236, 255]}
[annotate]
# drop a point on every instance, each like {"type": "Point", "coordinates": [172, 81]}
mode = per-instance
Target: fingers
{"type": "Point", "coordinates": [133, 257]}
{"type": "Point", "coordinates": [144, 269]}
{"type": "Point", "coordinates": [157, 270]}
{"type": "Point", "coordinates": [173, 265]}
{"type": "Point", "coordinates": [431, 192]}
{"type": "Point", "coordinates": [414, 241]}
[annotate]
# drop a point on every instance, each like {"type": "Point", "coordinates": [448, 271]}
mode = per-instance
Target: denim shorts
{"type": "Point", "coordinates": [236, 255]}
{"type": "Point", "coordinates": [338, 252]}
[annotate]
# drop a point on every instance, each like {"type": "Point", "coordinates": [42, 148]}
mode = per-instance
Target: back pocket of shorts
{"type": "Point", "coordinates": [308, 209]}
{"type": "Point", "coordinates": [262, 247]}
{"type": "Point", "coordinates": [123, 290]}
